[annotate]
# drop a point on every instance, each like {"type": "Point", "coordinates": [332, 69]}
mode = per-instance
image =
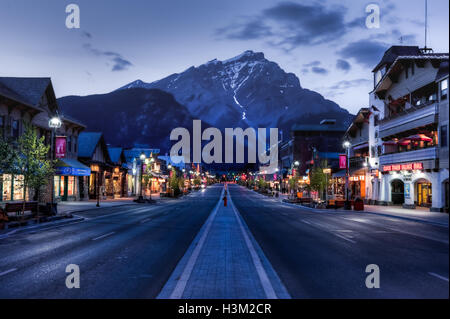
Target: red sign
{"type": "Point", "coordinates": [402, 167]}
{"type": "Point", "coordinates": [342, 161]}
{"type": "Point", "coordinates": [60, 147]}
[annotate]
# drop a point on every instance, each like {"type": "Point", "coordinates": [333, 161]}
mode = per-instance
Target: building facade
{"type": "Point", "coordinates": [410, 135]}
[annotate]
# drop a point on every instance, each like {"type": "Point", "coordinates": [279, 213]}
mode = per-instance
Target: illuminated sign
{"type": "Point", "coordinates": [402, 167]}
{"type": "Point", "coordinates": [342, 161]}
{"type": "Point", "coordinates": [60, 147]}
{"type": "Point", "coordinates": [356, 178]}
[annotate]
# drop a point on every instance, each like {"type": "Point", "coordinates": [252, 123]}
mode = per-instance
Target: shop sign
{"type": "Point", "coordinates": [402, 167]}
{"type": "Point", "coordinates": [407, 190]}
{"type": "Point", "coordinates": [342, 161]}
{"type": "Point", "coordinates": [60, 147]}
{"type": "Point", "coordinates": [356, 178]}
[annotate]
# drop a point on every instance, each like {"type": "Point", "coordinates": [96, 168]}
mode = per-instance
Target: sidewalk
{"type": "Point", "coordinates": [224, 261]}
{"type": "Point", "coordinates": [421, 214]}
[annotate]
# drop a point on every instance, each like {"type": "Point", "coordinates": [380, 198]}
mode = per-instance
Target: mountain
{"type": "Point", "coordinates": [126, 117]}
{"type": "Point", "coordinates": [247, 90]}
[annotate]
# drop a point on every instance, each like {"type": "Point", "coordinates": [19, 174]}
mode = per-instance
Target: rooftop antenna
{"type": "Point", "coordinates": [426, 49]}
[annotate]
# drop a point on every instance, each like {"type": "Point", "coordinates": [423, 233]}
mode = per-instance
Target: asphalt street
{"type": "Point", "coordinates": [132, 251]}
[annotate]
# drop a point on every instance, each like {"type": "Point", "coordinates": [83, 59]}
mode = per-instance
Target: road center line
{"type": "Point", "coordinates": [7, 271]}
{"type": "Point", "coordinates": [178, 291]}
{"type": "Point", "coordinates": [438, 276]}
{"type": "Point", "coordinates": [103, 236]}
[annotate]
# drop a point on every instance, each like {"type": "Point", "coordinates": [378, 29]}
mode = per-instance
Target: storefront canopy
{"type": "Point", "coordinates": [71, 167]}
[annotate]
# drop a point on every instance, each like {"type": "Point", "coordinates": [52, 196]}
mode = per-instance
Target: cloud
{"type": "Point", "coordinates": [347, 84]}
{"type": "Point", "coordinates": [343, 65]}
{"type": "Point", "coordinates": [365, 52]}
{"type": "Point", "coordinates": [313, 63]}
{"type": "Point", "coordinates": [288, 25]}
{"type": "Point", "coordinates": [319, 70]}
{"type": "Point", "coordinates": [86, 34]}
{"type": "Point", "coordinates": [119, 63]}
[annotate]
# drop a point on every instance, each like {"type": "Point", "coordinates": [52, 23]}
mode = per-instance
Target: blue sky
{"type": "Point", "coordinates": [325, 43]}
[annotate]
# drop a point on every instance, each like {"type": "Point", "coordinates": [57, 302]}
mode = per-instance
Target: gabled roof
{"type": "Point", "coordinates": [115, 153]}
{"type": "Point", "coordinates": [443, 71]}
{"type": "Point", "coordinates": [28, 91]}
{"type": "Point", "coordinates": [133, 153]}
{"type": "Point", "coordinates": [358, 120]}
{"type": "Point", "coordinates": [87, 142]}
{"type": "Point", "coordinates": [391, 54]}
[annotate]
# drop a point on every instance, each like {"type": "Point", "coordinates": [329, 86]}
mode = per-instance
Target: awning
{"type": "Point", "coordinates": [71, 167]}
{"type": "Point", "coordinates": [358, 147]}
{"type": "Point", "coordinates": [339, 174]}
{"type": "Point", "coordinates": [420, 137]}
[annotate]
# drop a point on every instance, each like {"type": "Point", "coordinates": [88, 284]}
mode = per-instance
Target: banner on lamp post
{"type": "Point", "coordinates": [342, 161]}
{"type": "Point", "coordinates": [60, 147]}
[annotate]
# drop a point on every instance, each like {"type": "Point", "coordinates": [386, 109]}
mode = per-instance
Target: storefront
{"type": "Point", "coordinates": [67, 179]}
{"type": "Point", "coordinates": [410, 185]}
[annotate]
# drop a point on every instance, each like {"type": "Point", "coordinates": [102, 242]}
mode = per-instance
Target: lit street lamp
{"type": "Point", "coordinates": [142, 158]}
{"type": "Point", "coordinates": [347, 146]}
{"type": "Point", "coordinates": [54, 123]}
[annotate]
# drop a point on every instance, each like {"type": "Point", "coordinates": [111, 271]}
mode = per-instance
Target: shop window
{"type": "Point", "coordinates": [444, 136]}
{"type": "Point", "coordinates": [15, 128]}
{"type": "Point", "coordinates": [2, 124]}
{"type": "Point", "coordinates": [61, 186]}
{"type": "Point", "coordinates": [18, 188]}
{"type": "Point", "coordinates": [7, 187]}
{"type": "Point", "coordinates": [56, 180]}
{"type": "Point", "coordinates": [70, 185]}
{"type": "Point", "coordinates": [444, 90]}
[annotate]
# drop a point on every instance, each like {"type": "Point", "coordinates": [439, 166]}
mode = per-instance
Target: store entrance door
{"type": "Point", "coordinates": [398, 192]}
{"type": "Point", "coordinates": [424, 195]}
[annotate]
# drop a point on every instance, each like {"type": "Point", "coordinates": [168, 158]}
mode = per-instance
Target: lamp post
{"type": "Point", "coordinates": [152, 160]}
{"type": "Point", "coordinates": [142, 159]}
{"type": "Point", "coordinates": [347, 146]}
{"type": "Point", "coordinates": [54, 123]}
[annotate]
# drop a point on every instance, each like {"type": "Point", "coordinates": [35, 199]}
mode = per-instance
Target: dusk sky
{"type": "Point", "coordinates": [325, 43]}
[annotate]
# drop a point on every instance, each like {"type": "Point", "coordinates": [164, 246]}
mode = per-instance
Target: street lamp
{"type": "Point", "coordinates": [142, 158]}
{"type": "Point", "coordinates": [347, 146]}
{"type": "Point", "coordinates": [54, 123]}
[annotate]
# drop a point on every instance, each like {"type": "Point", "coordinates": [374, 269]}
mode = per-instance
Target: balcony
{"type": "Point", "coordinates": [357, 162]}
{"type": "Point", "coordinates": [409, 119]}
{"type": "Point", "coordinates": [430, 153]}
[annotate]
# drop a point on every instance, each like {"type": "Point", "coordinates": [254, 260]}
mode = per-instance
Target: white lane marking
{"type": "Point", "coordinates": [345, 238]}
{"type": "Point", "coordinates": [146, 220]}
{"type": "Point", "coordinates": [306, 222]}
{"type": "Point", "coordinates": [264, 279]}
{"type": "Point", "coordinates": [7, 271]}
{"type": "Point", "coordinates": [438, 276]}
{"type": "Point", "coordinates": [103, 236]}
{"type": "Point", "coordinates": [178, 291]}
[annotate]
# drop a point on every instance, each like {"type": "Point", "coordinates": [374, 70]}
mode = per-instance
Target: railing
{"type": "Point", "coordinates": [413, 112]}
{"type": "Point", "coordinates": [357, 162]}
{"type": "Point", "coordinates": [410, 156]}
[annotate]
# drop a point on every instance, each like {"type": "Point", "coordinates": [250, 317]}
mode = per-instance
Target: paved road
{"type": "Point", "coordinates": [123, 252]}
{"type": "Point", "coordinates": [324, 255]}
{"type": "Point", "coordinates": [133, 251]}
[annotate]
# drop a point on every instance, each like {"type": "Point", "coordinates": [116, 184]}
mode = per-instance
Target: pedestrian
{"type": "Point", "coordinates": [225, 201]}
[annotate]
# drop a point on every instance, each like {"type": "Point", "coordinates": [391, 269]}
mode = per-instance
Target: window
{"type": "Point", "coordinates": [56, 185]}
{"type": "Point", "coordinates": [444, 89]}
{"type": "Point", "coordinates": [15, 128]}
{"type": "Point", "coordinates": [444, 136]}
{"type": "Point", "coordinates": [71, 185]}
{"type": "Point", "coordinates": [69, 144]}
{"type": "Point", "coordinates": [7, 187]}
{"type": "Point", "coordinates": [2, 124]}
{"type": "Point", "coordinates": [18, 187]}
{"type": "Point", "coordinates": [75, 150]}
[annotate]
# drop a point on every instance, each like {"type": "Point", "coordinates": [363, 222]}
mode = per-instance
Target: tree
{"type": "Point", "coordinates": [8, 156]}
{"type": "Point", "coordinates": [32, 162]}
{"type": "Point", "coordinates": [318, 179]}
{"type": "Point", "coordinates": [197, 181]}
{"type": "Point", "coordinates": [174, 183]}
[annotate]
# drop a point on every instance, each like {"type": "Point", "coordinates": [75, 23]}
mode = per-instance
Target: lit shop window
{"type": "Point", "coordinates": [18, 187]}
{"type": "Point", "coordinates": [7, 186]}
{"type": "Point", "coordinates": [56, 185]}
{"type": "Point", "coordinates": [61, 186]}
{"type": "Point", "coordinates": [71, 185]}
